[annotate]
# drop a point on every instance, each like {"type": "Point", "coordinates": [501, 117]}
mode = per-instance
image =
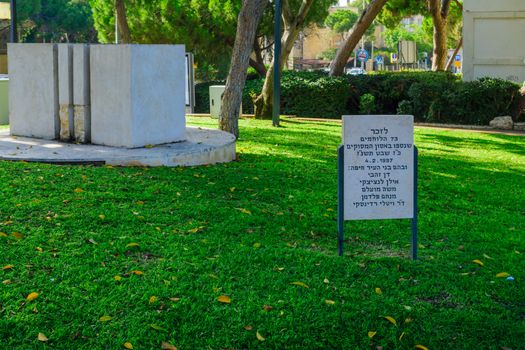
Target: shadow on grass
{"type": "Point", "coordinates": [512, 144]}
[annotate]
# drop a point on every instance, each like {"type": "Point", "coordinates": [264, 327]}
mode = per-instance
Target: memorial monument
{"type": "Point", "coordinates": [123, 97]}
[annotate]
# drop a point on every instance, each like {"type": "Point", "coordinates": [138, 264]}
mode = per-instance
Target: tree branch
{"type": "Point", "coordinates": [303, 11]}
{"type": "Point", "coordinates": [287, 13]}
{"type": "Point", "coordinates": [259, 68]}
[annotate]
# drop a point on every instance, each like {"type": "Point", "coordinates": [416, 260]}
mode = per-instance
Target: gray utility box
{"type": "Point", "coordinates": [216, 92]}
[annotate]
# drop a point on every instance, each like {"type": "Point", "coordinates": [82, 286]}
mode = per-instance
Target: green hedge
{"type": "Point", "coordinates": [429, 96]}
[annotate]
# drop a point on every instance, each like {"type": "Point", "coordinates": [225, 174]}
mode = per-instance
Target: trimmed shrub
{"type": "Point", "coordinates": [314, 94]}
{"type": "Point", "coordinates": [430, 96]}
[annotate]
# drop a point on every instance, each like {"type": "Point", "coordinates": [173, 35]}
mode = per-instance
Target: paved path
{"type": "Point", "coordinates": [471, 128]}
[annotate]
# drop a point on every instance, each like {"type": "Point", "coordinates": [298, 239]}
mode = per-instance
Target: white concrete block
{"type": "Point", "coordinates": [81, 93]}
{"type": "Point", "coordinates": [492, 36]}
{"type": "Point", "coordinates": [81, 84]}
{"type": "Point", "coordinates": [137, 94]}
{"type": "Point", "coordinates": [33, 90]}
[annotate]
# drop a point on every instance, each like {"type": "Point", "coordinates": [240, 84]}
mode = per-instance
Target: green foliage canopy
{"type": "Point", "coordinates": [395, 10]}
{"type": "Point", "coordinates": [341, 21]}
{"type": "Point", "coordinates": [206, 27]}
{"type": "Point", "coordinates": [55, 20]}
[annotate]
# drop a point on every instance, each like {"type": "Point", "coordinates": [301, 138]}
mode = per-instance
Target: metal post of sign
{"type": "Point", "coordinates": [13, 36]}
{"type": "Point", "coordinates": [340, 192]}
{"type": "Point", "coordinates": [414, 219]}
{"type": "Point", "coordinates": [276, 111]}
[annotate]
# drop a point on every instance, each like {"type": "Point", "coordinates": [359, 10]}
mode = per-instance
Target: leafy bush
{"type": "Point", "coordinates": [429, 96]}
{"type": "Point", "coordinates": [391, 88]}
{"type": "Point", "coordinates": [314, 94]}
{"type": "Point", "coordinates": [367, 104]}
{"type": "Point", "coordinates": [475, 102]}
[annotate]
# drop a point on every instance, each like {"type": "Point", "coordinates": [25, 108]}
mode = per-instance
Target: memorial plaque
{"type": "Point", "coordinates": [378, 167]}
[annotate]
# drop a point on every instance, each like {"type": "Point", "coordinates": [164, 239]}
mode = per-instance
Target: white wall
{"type": "Point", "coordinates": [494, 39]}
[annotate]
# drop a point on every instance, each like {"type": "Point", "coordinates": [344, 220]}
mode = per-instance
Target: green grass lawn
{"type": "Point", "coordinates": [154, 248]}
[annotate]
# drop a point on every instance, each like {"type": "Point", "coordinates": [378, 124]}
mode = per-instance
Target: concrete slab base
{"type": "Point", "coordinates": [202, 146]}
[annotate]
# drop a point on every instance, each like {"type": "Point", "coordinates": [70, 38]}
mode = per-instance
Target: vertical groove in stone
{"type": "Point", "coordinates": [56, 105]}
{"type": "Point", "coordinates": [70, 92]}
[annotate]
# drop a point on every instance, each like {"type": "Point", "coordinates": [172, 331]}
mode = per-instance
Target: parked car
{"type": "Point", "coordinates": [356, 71]}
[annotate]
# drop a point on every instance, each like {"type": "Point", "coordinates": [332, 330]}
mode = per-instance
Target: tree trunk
{"type": "Point", "coordinates": [247, 23]}
{"type": "Point", "coordinates": [439, 10]}
{"type": "Point", "coordinates": [122, 20]}
{"type": "Point", "coordinates": [337, 67]}
{"type": "Point", "coordinates": [292, 27]}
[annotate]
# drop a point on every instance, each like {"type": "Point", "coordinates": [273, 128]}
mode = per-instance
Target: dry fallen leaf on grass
{"type": "Point", "coordinates": [105, 318]}
{"type": "Point", "coordinates": [32, 296]}
{"type": "Point", "coordinates": [8, 267]}
{"type": "Point", "coordinates": [329, 302]}
{"type": "Point", "coordinates": [378, 291]}
{"type": "Point", "coordinates": [196, 229]}
{"type": "Point", "coordinates": [371, 334]}
{"type": "Point", "coordinates": [421, 347]}
{"type": "Point", "coordinates": [167, 346]}
{"type": "Point", "coordinates": [42, 337]}
{"type": "Point", "coordinates": [132, 244]}
{"type": "Point", "coordinates": [259, 336]}
{"type": "Point", "coordinates": [78, 190]}
{"type": "Point", "coordinates": [479, 262]}
{"type": "Point", "coordinates": [503, 275]}
{"type": "Point", "coordinates": [244, 211]}
{"type": "Point", "coordinates": [300, 284]}
{"type": "Point", "coordinates": [157, 327]}
{"type": "Point", "coordinates": [267, 307]}
{"type": "Point", "coordinates": [224, 299]}
{"type": "Point", "coordinates": [391, 320]}
{"type": "Point", "coordinates": [128, 345]}
{"type": "Point", "coordinates": [137, 272]}
{"type": "Point", "coordinates": [17, 235]}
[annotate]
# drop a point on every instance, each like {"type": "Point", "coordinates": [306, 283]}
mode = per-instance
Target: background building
{"type": "Point", "coordinates": [494, 39]}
